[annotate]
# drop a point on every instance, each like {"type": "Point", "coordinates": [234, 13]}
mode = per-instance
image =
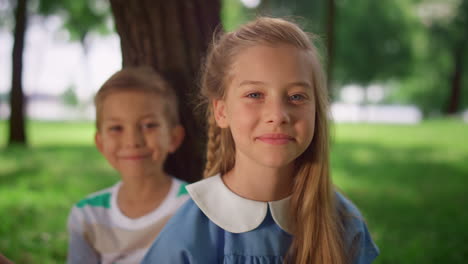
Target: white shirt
{"type": "Point", "coordinates": [100, 233]}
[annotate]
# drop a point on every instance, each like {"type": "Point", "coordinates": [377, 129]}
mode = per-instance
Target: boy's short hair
{"type": "Point", "coordinates": [139, 79]}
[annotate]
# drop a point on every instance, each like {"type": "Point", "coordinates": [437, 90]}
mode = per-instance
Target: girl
{"type": "Point", "coordinates": [270, 198]}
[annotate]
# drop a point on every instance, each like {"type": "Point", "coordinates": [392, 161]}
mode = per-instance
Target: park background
{"type": "Point", "coordinates": [398, 81]}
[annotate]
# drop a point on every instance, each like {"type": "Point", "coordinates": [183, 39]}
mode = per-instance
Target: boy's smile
{"type": "Point", "coordinates": [134, 135]}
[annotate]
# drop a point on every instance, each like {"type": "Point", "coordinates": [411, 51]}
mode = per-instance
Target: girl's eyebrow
{"type": "Point", "coordinates": [302, 84]}
{"type": "Point", "coordinates": [249, 82]}
{"type": "Point", "coordinates": [259, 83]}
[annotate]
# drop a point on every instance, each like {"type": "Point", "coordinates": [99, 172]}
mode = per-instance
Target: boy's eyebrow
{"type": "Point", "coordinates": [149, 115]}
{"type": "Point", "coordinates": [111, 119]}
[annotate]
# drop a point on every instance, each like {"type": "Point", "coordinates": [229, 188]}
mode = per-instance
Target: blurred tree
{"type": "Point", "coordinates": [234, 13]}
{"type": "Point", "coordinates": [172, 37]}
{"type": "Point", "coordinates": [331, 17]}
{"type": "Point", "coordinates": [366, 41]}
{"type": "Point", "coordinates": [373, 41]}
{"type": "Point", "coordinates": [80, 18]}
{"type": "Point", "coordinates": [69, 97]}
{"type": "Point", "coordinates": [451, 36]}
{"type": "Point", "coordinates": [17, 129]}
{"type": "Point", "coordinates": [437, 85]}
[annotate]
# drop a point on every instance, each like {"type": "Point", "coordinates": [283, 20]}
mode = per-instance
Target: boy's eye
{"type": "Point", "coordinates": [115, 128]}
{"type": "Point", "coordinates": [150, 125]}
{"type": "Point", "coordinates": [254, 95]}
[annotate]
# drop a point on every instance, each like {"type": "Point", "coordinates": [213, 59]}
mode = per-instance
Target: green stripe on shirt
{"type": "Point", "coordinates": [101, 200]}
{"type": "Point", "coordinates": [182, 190]}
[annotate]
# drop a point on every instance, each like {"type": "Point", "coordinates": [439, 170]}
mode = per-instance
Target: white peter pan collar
{"type": "Point", "coordinates": [232, 212]}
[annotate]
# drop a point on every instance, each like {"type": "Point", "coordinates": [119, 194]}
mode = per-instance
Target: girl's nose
{"type": "Point", "coordinates": [277, 112]}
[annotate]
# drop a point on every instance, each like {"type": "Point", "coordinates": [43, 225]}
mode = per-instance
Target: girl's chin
{"type": "Point", "coordinates": [278, 163]}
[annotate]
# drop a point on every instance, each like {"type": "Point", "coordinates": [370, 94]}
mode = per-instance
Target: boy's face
{"type": "Point", "coordinates": [134, 133]}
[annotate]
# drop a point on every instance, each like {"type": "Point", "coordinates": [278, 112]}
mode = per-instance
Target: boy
{"type": "Point", "coordinates": [137, 127]}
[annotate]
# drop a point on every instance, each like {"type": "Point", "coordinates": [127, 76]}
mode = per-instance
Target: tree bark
{"type": "Point", "coordinates": [456, 79]}
{"type": "Point", "coordinates": [172, 37]}
{"type": "Point", "coordinates": [330, 43]}
{"type": "Point", "coordinates": [17, 134]}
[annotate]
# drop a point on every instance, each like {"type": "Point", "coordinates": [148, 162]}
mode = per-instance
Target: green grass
{"type": "Point", "coordinates": [39, 184]}
{"type": "Point", "coordinates": [408, 181]}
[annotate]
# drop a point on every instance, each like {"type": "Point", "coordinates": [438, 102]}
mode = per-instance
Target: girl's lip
{"type": "Point", "coordinates": [275, 139]}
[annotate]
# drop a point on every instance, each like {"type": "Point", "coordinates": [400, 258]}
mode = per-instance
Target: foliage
{"type": "Point", "coordinates": [233, 14]}
{"type": "Point", "coordinates": [69, 97]}
{"type": "Point", "coordinates": [373, 40]}
{"type": "Point", "coordinates": [6, 14]}
{"type": "Point", "coordinates": [80, 17]}
{"type": "Point", "coordinates": [409, 187]}
{"type": "Point", "coordinates": [429, 85]}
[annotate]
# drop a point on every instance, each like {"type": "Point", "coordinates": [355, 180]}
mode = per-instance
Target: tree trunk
{"type": "Point", "coordinates": [330, 44]}
{"type": "Point", "coordinates": [456, 80]}
{"type": "Point", "coordinates": [17, 133]}
{"type": "Point", "coordinates": [172, 37]}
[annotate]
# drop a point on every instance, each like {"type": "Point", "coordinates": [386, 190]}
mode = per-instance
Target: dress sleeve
{"type": "Point", "coordinates": [79, 250]}
{"type": "Point", "coordinates": [361, 248]}
{"type": "Point", "coordinates": [366, 250]}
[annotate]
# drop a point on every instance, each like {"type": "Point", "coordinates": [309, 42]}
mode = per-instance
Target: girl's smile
{"type": "Point", "coordinates": [275, 139]}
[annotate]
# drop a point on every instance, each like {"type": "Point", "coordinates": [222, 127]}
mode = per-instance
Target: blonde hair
{"type": "Point", "coordinates": [316, 217]}
{"type": "Point", "coordinates": [139, 79]}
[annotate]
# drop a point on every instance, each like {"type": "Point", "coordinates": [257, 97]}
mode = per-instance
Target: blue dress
{"type": "Point", "coordinates": [193, 237]}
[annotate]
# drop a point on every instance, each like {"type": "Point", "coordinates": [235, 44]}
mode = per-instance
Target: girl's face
{"type": "Point", "coordinates": [269, 105]}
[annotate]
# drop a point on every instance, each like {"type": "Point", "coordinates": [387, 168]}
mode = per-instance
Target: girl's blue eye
{"type": "Point", "coordinates": [254, 95]}
{"type": "Point", "coordinates": [297, 97]}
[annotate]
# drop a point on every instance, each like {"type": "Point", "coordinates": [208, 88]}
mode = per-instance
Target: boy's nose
{"type": "Point", "coordinates": [277, 112]}
{"type": "Point", "coordinates": [134, 138]}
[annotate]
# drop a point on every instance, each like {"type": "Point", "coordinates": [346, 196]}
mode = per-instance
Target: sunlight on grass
{"type": "Point", "coordinates": [54, 133]}
{"type": "Point", "coordinates": [408, 181]}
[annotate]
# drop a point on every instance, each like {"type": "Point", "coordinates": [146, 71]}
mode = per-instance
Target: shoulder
{"type": "Point", "coordinates": [97, 203]}
{"type": "Point", "coordinates": [180, 187]}
{"type": "Point", "coordinates": [183, 236]}
{"type": "Point", "coordinates": [357, 236]}
{"type": "Point", "coordinates": [189, 223]}
{"type": "Point", "coordinates": [100, 198]}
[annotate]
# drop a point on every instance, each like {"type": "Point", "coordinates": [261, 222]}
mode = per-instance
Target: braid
{"type": "Point", "coordinates": [213, 147]}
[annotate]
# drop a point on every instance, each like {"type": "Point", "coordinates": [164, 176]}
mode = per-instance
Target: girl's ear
{"type": "Point", "coordinates": [219, 112]}
{"type": "Point", "coordinates": [177, 137]}
{"type": "Point", "coordinates": [98, 141]}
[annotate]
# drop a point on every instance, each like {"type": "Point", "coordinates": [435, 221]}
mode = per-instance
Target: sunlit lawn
{"type": "Point", "coordinates": [409, 182]}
